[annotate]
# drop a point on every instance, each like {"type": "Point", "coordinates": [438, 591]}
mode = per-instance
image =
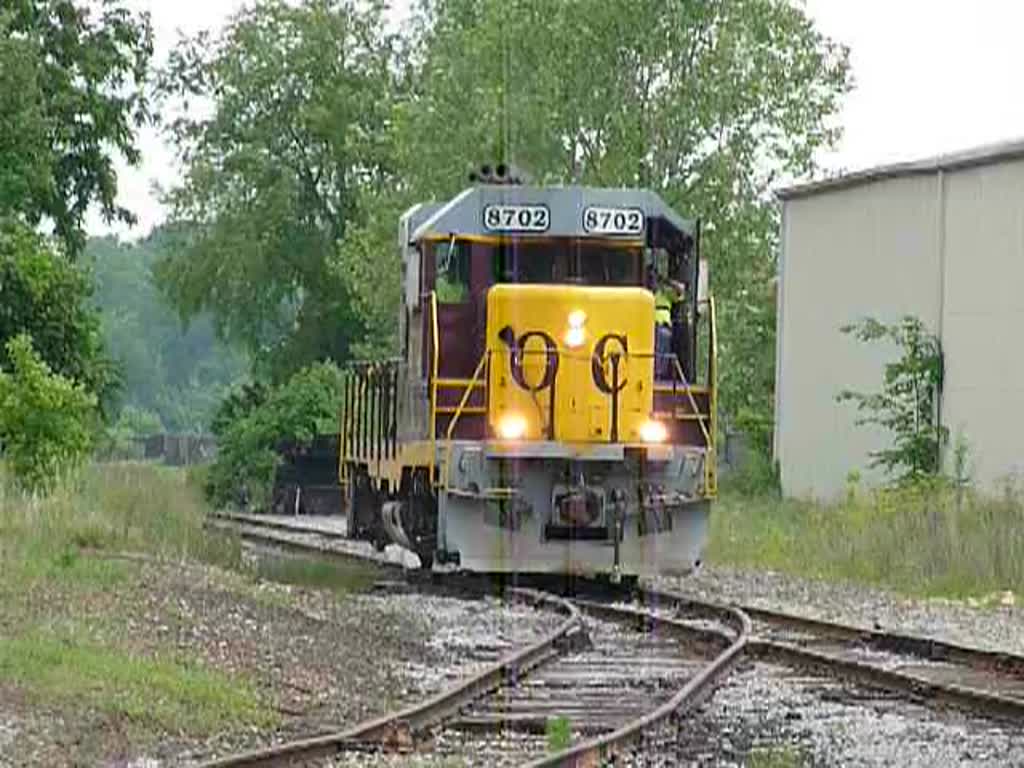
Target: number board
{"type": "Point", "coordinates": [517, 218]}
{"type": "Point", "coordinates": [613, 221]}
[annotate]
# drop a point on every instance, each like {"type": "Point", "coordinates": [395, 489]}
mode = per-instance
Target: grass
{"type": "Point", "coordinates": [336, 575]}
{"type": "Point", "coordinates": [171, 695]}
{"type": "Point", "coordinates": [925, 540]}
{"type": "Point", "coordinates": [59, 601]}
{"type": "Point", "coordinates": [116, 507]}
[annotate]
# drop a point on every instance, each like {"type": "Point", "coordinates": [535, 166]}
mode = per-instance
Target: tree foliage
{"type": "Point", "coordinates": [279, 173]}
{"type": "Point", "coordinates": [257, 419]}
{"type": "Point", "coordinates": [72, 78]}
{"type": "Point", "coordinates": [47, 421]}
{"type": "Point", "coordinates": [47, 297]}
{"type": "Point", "coordinates": [705, 102]}
{"type": "Point", "coordinates": [908, 404]}
{"type": "Point", "coordinates": [177, 375]}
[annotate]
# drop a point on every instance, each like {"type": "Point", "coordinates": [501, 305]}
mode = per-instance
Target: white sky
{"type": "Point", "coordinates": [931, 76]}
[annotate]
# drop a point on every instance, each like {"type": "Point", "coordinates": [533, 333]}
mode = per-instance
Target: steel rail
{"type": "Point", "coordinates": [926, 648]}
{"type": "Point", "coordinates": [921, 648]}
{"type": "Point", "coordinates": [918, 688]}
{"type": "Point", "coordinates": [397, 729]}
{"type": "Point", "coordinates": [247, 518]}
{"type": "Point", "coordinates": [596, 751]}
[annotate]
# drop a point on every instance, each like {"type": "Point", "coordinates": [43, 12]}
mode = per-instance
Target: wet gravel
{"type": "Point", "coordinates": [997, 627]}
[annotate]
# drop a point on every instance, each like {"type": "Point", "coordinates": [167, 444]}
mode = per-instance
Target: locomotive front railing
{"type": "Point", "coordinates": [434, 370]}
{"type": "Point", "coordinates": [711, 465]}
{"type": "Point", "coordinates": [706, 419]}
{"type": "Point", "coordinates": [481, 367]}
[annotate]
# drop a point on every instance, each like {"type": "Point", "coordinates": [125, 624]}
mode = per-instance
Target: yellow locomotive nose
{"type": "Point", "coordinates": [570, 363]}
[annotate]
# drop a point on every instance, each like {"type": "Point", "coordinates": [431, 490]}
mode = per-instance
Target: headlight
{"type": "Point", "coordinates": [653, 432]}
{"type": "Point", "coordinates": [575, 336]}
{"type": "Point", "coordinates": [511, 426]}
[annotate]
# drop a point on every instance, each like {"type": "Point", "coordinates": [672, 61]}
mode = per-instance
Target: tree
{"type": "Point", "coordinates": [705, 102]}
{"type": "Point", "coordinates": [178, 374]}
{"type": "Point", "coordinates": [295, 154]}
{"type": "Point", "coordinates": [72, 79]}
{"type": "Point", "coordinates": [256, 420]}
{"type": "Point", "coordinates": [47, 297]}
{"type": "Point", "coordinates": [908, 405]}
{"type": "Point", "coordinates": [47, 421]}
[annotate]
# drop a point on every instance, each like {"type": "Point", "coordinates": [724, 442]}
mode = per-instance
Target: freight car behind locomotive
{"type": "Point", "coordinates": [553, 408]}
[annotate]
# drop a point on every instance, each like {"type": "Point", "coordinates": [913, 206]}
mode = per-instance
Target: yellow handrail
{"type": "Point", "coordinates": [693, 401]}
{"type": "Point", "coordinates": [455, 419]}
{"type": "Point", "coordinates": [711, 466]}
{"type": "Point", "coordinates": [344, 413]}
{"type": "Point", "coordinates": [436, 353]}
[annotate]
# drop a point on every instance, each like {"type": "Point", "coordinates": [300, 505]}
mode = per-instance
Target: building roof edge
{"type": "Point", "coordinates": [981, 155]}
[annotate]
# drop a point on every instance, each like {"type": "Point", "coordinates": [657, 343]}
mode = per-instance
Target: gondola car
{"type": "Point", "coordinates": [539, 418]}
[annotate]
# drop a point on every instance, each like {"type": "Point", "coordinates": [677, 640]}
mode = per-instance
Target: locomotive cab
{"type": "Point", "coordinates": [533, 422]}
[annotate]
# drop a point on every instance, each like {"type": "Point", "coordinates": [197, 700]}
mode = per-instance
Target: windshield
{"type": "Point", "coordinates": [566, 262]}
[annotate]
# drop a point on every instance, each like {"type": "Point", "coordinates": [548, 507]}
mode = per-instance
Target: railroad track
{"type": "Point", "coordinates": [631, 667]}
{"type": "Point", "coordinates": [607, 679]}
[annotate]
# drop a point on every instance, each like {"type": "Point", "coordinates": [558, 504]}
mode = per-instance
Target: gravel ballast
{"type": "Point", "coordinates": [995, 627]}
{"type": "Point", "coordinates": [768, 715]}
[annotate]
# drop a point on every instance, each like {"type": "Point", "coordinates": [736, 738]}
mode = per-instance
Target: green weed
{"type": "Point", "coordinates": [558, 731]}
{"type": "Point", "coordinates": [775, 757]}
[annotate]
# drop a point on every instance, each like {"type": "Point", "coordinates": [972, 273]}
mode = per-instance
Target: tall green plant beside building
{"type": "Point", "coordinates": [908, 404]}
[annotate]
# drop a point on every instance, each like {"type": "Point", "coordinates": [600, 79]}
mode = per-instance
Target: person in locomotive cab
{"type": "Point", "coordinates": [672, 328]}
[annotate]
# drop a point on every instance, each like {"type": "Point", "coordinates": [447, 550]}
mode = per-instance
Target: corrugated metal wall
{"type": "Point", "coordinates": [862, 251]}
{"type": "Point", "coordinates": [946, 246]}
{"type": "Point", "coordinates": [983, 317]}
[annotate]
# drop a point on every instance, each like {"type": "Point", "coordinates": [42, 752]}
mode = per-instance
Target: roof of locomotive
{"type": "Point", "coordinates": [559, 212]}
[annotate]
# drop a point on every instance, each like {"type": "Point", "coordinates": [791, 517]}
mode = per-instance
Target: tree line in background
{"type": "Point", "coordinates": [172, 376]}
{"type": "Point", "coordinates": [303, 130]}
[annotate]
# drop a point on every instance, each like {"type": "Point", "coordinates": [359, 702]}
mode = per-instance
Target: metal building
{"type": "Point", "coordinates": [942, 239]}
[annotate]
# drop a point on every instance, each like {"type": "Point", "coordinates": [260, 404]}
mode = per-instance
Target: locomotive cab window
{"type": "Point", "coordinates": [453, 264]}
{"type": "Point", "coordinates": [572, 262]}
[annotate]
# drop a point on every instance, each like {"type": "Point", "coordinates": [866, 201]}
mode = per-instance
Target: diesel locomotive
{"type": "Point", "coordinates": [553, 406]}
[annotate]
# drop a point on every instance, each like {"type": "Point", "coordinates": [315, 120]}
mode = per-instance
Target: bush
{"type": "Point", "coordinates": [908, 404]}
{"type": "Point", "coordinates": [122, 439]}
{"type": "Point", "coordinates": [248, 430]}
{"type": "Point", "coordinates": [47, 297]}
{"type": "Point", "coordinates": [47, 421]}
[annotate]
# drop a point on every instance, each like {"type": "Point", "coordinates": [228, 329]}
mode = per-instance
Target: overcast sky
{"type": "Point", "coordinates": [932, 76]}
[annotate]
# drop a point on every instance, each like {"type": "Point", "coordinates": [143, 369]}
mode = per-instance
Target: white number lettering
{"type": "Point", "coordinates": [613, 221]}
{"type": "Point", "coordinates": [517, 218]}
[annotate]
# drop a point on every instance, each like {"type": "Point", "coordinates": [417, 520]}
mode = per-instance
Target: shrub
{"type": "Point", "coordinates": [121, 439]}
{"type": "Point", "coordinates": [907, 406]}
{"type": "Point", "coordinates": [47, 297]}
{"type": "Point", "coordinates": [47, 421]}
{"type": "Point", "coordinates": [297, 410]}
